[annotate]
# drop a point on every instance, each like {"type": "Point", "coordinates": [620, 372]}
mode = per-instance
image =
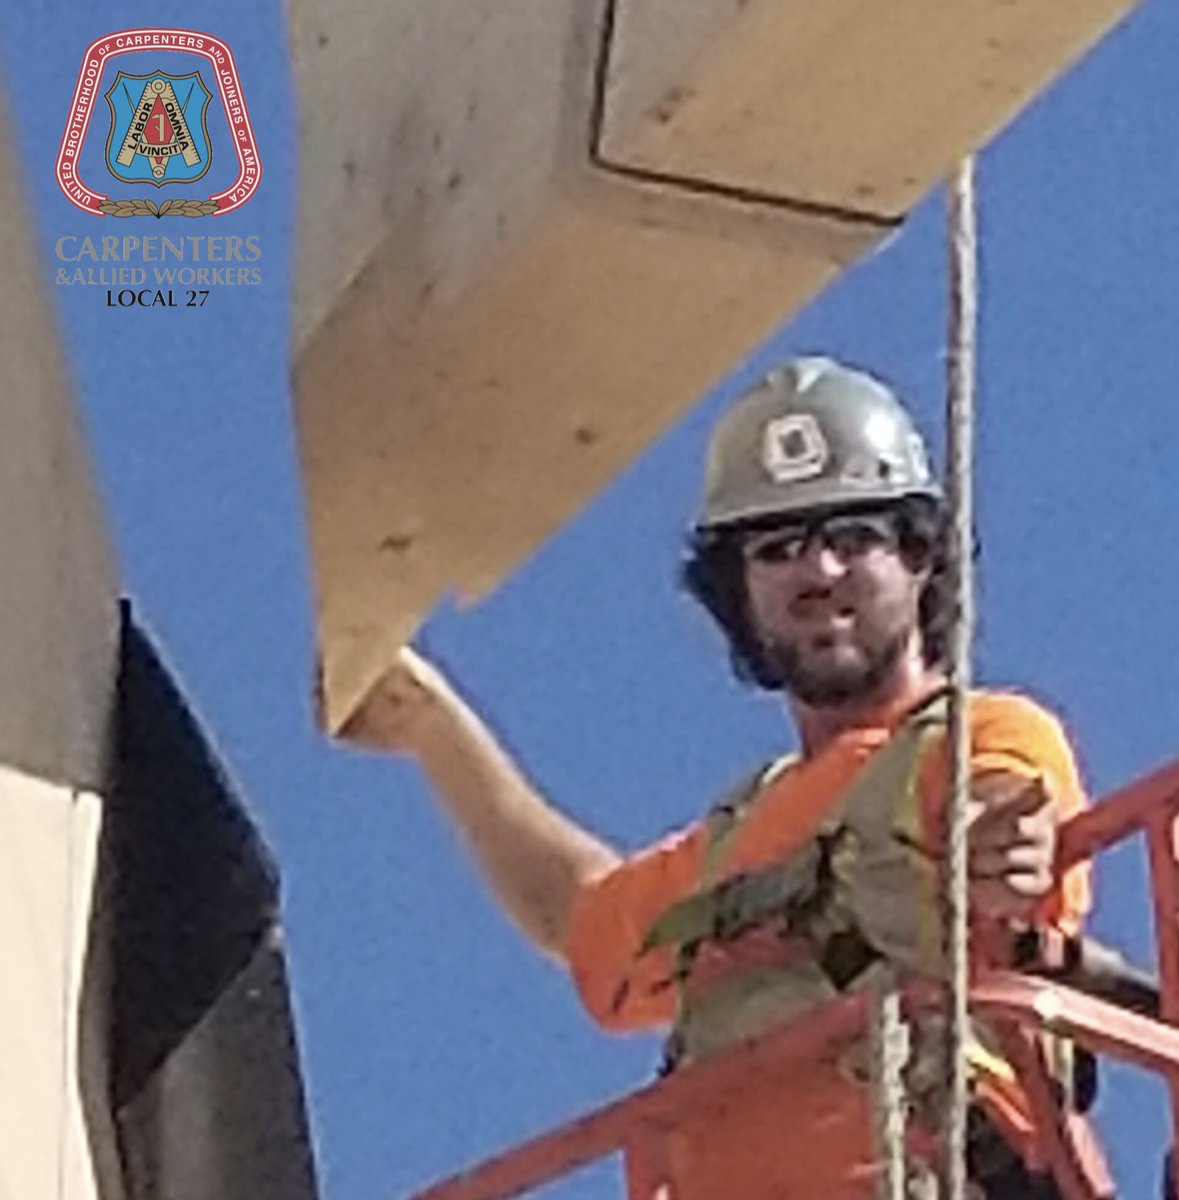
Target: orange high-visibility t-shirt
{"type": "Point", "coordinates": [741, 1151]}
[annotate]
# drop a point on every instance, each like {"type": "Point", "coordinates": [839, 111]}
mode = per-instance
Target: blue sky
{"type": "Point", "coordinates": [431, 1034]}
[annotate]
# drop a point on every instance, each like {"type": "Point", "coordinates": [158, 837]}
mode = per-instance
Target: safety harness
{"type": "Point", "coordinates": [862, 889]}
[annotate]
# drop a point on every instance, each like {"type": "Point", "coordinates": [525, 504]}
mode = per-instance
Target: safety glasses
{"type": "Point", "coordinates": [847, 535]}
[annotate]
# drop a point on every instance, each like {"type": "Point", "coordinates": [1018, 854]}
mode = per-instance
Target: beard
{"type": "Point", "coordinates": [831, 684]}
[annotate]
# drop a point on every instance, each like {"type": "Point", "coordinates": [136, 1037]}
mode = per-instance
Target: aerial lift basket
{"type": "Point", "coordinates": [1019, 1006]}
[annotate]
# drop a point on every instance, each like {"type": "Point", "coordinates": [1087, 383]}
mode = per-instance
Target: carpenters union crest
{"type": "Point", "coordinates": [158, 84]}
{"type": "Point", "coordinates": [158, 132]}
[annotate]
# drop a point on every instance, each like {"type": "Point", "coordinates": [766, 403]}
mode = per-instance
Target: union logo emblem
{"type": "Point", "coordinates": [158, 131]}
{"type": "Point", "coordinates": [160, 86]}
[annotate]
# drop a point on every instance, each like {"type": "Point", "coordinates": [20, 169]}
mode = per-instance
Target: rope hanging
{"type": "Point", "coordinates": [963, 262]}
{"type": "Point", "coordinates": [890, 1044]}
{"type": "Point", "coordinates": [890, 1048]}
{"type": "Point", "coordinates": [890, 1052]}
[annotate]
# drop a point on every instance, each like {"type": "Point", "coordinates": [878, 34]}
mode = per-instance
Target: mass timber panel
{"type": "Point", "coordinates": [530, 237]}
{"type": "Point", "coordinates": [431, 124]}
{"type": "Point", "coordinates": [854, 104]}
{"type": "Point", "coordinates": [58, 608]}
{"type": "Point", "coordinates": [502, 424]}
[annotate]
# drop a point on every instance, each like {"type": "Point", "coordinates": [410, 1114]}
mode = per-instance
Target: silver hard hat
{"type": "Point", "coordinates": [812, 435]}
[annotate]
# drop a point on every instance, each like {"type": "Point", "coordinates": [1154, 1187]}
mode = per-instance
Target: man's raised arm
{"type": "Point", "coordinates": [534, 858]}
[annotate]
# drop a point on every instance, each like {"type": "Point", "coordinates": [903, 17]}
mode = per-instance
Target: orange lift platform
{"type": "Point", "coordinates": [1018, 1006]}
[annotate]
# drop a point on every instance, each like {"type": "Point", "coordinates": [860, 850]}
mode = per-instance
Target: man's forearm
{"type": "Point", "coordinates": [533, 857]}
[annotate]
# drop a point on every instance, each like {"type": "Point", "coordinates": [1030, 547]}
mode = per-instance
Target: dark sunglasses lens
{"type": "Point", "coordinates": [858, 534]}
{"type": "Point", "coordinates": [847, 536]}
{"type": "Point", "coordinates": [776, 546]}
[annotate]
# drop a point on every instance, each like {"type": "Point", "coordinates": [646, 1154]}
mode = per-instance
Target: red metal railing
{"type": "Point", "coordinates": [1021, 1004]}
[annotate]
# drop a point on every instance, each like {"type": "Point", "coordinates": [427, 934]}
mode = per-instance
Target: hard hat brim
{"type": "Point", "coordinates": [817, 501]}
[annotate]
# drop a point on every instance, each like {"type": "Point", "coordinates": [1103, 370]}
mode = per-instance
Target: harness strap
{"type": "Point", "coordinates": [720, 910]}
{"type": "Point", "coordinates": [689, 924]}
{"type": "Point", "coordinates": [805, 891]}
{"type": "Point", "coordinates": [744, 901]}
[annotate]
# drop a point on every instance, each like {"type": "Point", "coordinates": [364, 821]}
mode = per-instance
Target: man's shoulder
{"type": "Point", "coordinates": [746, 787]}
{"type": "Point", "coordinates": [989, 705]}
{"type": "Point", "coordinates": [1011, 722]}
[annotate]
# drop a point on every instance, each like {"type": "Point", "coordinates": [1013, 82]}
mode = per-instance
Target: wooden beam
{"type": "Point", "coordinates": [531, 235]}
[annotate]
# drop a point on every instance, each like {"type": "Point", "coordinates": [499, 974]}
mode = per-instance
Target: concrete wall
{"type": "Point", "coordinates": [533, 233]}
{"type": "Point", "coordinates": [58, 604]}
{"type": "Point", "coordinates": [58, 621]}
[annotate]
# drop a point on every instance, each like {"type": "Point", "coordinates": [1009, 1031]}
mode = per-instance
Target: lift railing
{"type": "Point", "coordinates": [1019, 1006]}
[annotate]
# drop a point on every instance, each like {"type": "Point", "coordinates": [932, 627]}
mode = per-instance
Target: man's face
{"type": "Point", "coordinates": [834, 604]}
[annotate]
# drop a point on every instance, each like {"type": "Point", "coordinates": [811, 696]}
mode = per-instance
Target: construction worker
{"type": "Point", "coordinates": [819, 551]}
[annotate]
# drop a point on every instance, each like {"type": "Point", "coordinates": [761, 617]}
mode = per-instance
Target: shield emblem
{"type": "Point", "coordinates": [158, 132]}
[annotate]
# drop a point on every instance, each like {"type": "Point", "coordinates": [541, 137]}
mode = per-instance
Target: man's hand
{"type": "Point", "coordinates": [1012, 845]}
{"type": "Point", "coordinates": [401, 707]}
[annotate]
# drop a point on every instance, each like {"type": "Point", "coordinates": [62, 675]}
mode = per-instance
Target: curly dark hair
{"type": "Point", "coordinates": [713, 572]}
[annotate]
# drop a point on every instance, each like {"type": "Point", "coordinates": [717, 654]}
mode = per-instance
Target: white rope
{"type": "Point", "coordinates": [963, 256]}
{"type": "Point", "coordinates": [890, 1052]}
